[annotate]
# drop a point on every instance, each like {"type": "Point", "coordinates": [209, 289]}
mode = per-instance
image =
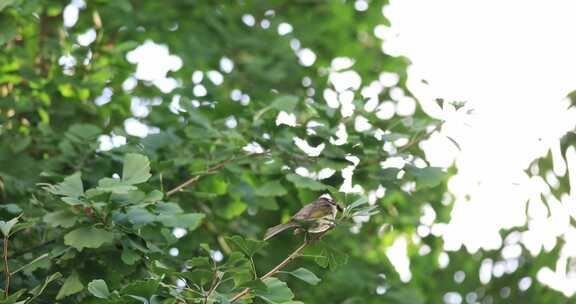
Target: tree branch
{"type": "Point", "coordinates": [212, 169]}
{"type": "Point", "coordinates": [6, 270]}
{"type": "Point", "coordinates": [282, 264]}
{"type": "Point", "coordinates": [419, 138]}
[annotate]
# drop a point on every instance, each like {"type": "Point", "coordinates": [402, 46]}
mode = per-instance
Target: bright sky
{"type": "Point", "coordinates": [513, 63]}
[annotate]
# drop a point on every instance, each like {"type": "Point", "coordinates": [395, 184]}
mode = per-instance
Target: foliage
{"type": "Point", "coordinates": [175, 216]}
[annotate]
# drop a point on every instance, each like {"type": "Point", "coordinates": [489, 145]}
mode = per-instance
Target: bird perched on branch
{"type": "Point", "coordinates": [315, 217]}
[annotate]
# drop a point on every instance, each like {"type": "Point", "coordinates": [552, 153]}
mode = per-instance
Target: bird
{"type": "Point", "coordinates": [315, 217]}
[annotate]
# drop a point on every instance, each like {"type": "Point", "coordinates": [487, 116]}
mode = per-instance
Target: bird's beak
{"type": "Point", "coordinates": [339, 207]}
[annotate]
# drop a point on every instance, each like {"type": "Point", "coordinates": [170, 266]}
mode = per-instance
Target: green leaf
{"type": "Point", "coordinates": [83, 132]}
{"type": "Point", "coordinates": [71, 186]}
{"type": "Point", "coordinates": [330, 257]}
{"type": "Point", "coordinates": [6, 227]}
{"type": "Point", "coordinates": [30, 264]}
{"type": "Point", "coordinates": [8, 26]}
{"type": "Point", "coordinates": [248, 247]}
{"type": "Point", "coordinates": [129, 256]}
{"type": "Point", "coordinates": [140, 216]}
{"type": "Point", "coordinates": [272, 188]}
{"type": "Point", "coordinates": [99, 289]}
{"type": "Point", "coordinates": [88, 237]}
{"type": "Point", "coordinates": [37, 291]}
{"type": "Point", "coordinates": [277, 292]}
{"type": "Point", "coordinates": [359, 202]}
{"type": "Point", "coordinates": [305, 182]}
{"type": "Point", "coordinates": [255, 285]}
{"type": "Point", "coordinates": [71, 286]}
{"type": "Point", "coordinates": [427, 177]}
{"type": "Point", "coordinates": [168, 208]}
{"type": "Point", "coordinates": [141, 288]}
{"type": "Point", "coordinates": [136, 169]}
{"type": "Point", "coordinates": [189, 221]}
{"type": "Point", "coordinates": [285, 103]}
{"type": "Point", "coordinates": [306, 276]}
{"type": "Point", "coordinates": [63, 218]}
{"type": "Point", "coordinates": [198, 261]}
{"type": "Point", "coordinates": [153, 196]}
{"type": "Point", "coordinates": [114, 185]}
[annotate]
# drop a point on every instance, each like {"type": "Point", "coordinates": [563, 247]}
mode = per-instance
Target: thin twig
{"type": "Point", "coordinates": [6, 270]}
{"type": "Point", "coordinates": [213, 286]}
{"type": "Point", "coordinates": [419, 138]}
{"type": "Point", "coordinates": [296, 253]}
{"type": "Point", "coordinates": [212, 169]}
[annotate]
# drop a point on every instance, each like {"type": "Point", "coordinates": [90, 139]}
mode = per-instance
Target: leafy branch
{"type": "Point", "coordinates": [296, 253]}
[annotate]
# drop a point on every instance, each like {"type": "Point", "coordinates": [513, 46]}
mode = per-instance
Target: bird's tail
{"type": "Point", "coordinates": [272, 231]}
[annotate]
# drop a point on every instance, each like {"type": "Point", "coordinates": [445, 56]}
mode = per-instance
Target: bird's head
{"type": "Point", "coordinates": [332, 202]}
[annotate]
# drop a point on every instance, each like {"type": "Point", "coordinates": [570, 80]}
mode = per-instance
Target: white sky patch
{"type": "Point", "coordinates": [295, 44]}
{"type": "Point", "coordinates": [245, 99]}
{"type": "Point", "coordinates": [153, 61]}
{"type": "Point", "coordinates": [406, 106]}
{"type": "Point", "coordinates": [397, 93]}
{"type": "Point", "coordinates": [105, 97]}
{"type": "Point", "coordinates": [285, 118]}
{"type": "Point", "coordinates": [372, 90]}
{"type": "Point", "coordinates": [139, 107]}
{"type": "Point", "coordinates": [226, 65]}
{"type": "Point", "coordinates": [284, 28]}
{"type": "Point", "coordinates": [393, 162]}
{"type": "Point", "coordinates": [179, 232]}
{"type": "Point", "coordinates": [331, 98]}
{"type": "Point", "coordinates": [265, 23]}
{"type": "Point", "coordinates": [345, 80]}
{"type": "Point", "coordinates": [108, 142]}
{"type": "Point", "coordinates": [371, 104]}
{"type": "Point", "coordinates": [248, 20]}
{"type": "Point", "coordinates": [341, 136]}
{"type": "Point", "coordinates": [306, 57]}
{"type": "Point", "coordinates": [386, 110]}
{"type": "Point", "coordinates": [216, 77]}
{"type": "Point", "coordinates": [253, 147]}
{"type": "Point", "coordinates": [389, 79]}
{"type": "Point", "coordinates": [175, 106]}
{"type": "Point", "coordinates": [361, 124]}
{"type": "Point", "coordinates": [199, 90]}
{"type": "Point", "coordinates": [398, 256]}
{"type": "Point", "coordinates": [167, 84]}
{"type": "Point", "coordinates": [325, 173]}
{"type": "Point", "coordinates": [231, 122]}
{"type": "Point", "coordinates": [87, 37]}
{"type": "Point", "coordinates": [341, 63]}
{"type": "Point", "coordinates": [361, 5]}
{"type": "Point", "coordinates": [304, 146]}
{"type": "Point", "coordinates": [129, 84]}
{"type": "Point", "coordinates": [197, 77]}
{"type": "Point", "coordinates": [70, 14]}
{"type": "Point", "coordinates": [236, 95]}
{"type": "Point", "coordinates": [134, 127]}
{"type": "Point", "coordinates": [346, 99]}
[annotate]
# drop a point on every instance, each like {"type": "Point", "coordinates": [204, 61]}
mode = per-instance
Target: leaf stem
{"type": "Point", "coordinates": [296, 253]}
